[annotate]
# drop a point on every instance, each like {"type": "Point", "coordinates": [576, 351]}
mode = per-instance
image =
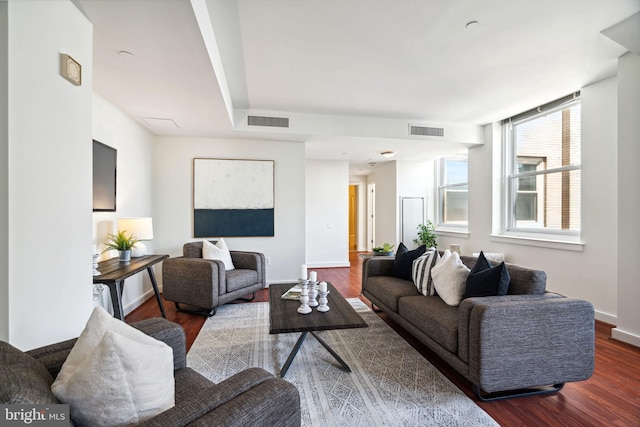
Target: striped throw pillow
{"type": "Point", "coordinates": [421, 272]}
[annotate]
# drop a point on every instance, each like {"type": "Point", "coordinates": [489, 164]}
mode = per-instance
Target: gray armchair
{"type": "Point", "coordinates": [204, 284]}
{"type": "Point", "coordinates": [252, 397]}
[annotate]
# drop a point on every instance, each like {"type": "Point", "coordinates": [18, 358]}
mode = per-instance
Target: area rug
{"type": "Point", "coordinates": [390, 384]}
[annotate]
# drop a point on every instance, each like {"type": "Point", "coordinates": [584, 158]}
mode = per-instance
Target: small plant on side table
{"type": "Point", "coordinates": [122, 244]}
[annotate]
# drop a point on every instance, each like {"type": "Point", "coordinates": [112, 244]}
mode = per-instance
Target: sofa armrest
{"type": "Point", "coordinates": [168, 332]}
{"type": "Point", "coordinates": [247, 398]}
{"type": "Point", "coordinates": [376, 266]}
{"type": "Point", "coordinates": [53, 356]}
{"type": "Point", "coordinates": [518, 343]}
{"type": "Point", "coordinates": [250, 261]}
{"type": "Point", "coordinates": [193, 281]}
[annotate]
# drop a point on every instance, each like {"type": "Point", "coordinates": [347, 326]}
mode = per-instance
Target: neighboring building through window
{"type": "Point", "coordinates": [543, 168]}
{"type": "Point", "coordinates": [453, 191]}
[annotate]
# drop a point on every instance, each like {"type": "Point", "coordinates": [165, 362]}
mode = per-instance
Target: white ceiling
{"type": "Point", "coordinates": [199, 65]}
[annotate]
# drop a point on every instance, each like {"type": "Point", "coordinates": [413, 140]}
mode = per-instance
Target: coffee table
{"type": "Point", "coordinates": [284, 318]}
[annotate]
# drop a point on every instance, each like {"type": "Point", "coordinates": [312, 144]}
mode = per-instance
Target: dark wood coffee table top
{"type": "Point", "coordinates": [284, 317]}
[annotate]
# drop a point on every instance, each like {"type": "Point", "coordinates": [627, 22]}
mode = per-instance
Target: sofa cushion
{"type": "Point", "coordinates": [390, 289]}
{"type": "Point", "coordinates": [239, 279]}
{"type": "Point", "coordinates": [421, 272]}
{"type": "Point", "coordinates": [450, 277]}
{"type": "Point", "coordinates": [433, 317]}
{"type": "Point", "coordinates": [115, 374]}
{"type": "Point", "coordinates": [485, 280]}
{"type": "Point", "coordinates": [24, 380]}
{"type": "Point", "coordinates": [219, 251]}
{"type": "Point", "coordinates": [403, 261]}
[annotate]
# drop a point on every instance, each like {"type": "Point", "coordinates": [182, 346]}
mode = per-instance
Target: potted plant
{"type": "Point", "coordinates": [426, 235]}
{"type": "Point", "coordinates": [384, 250]}
{"type": "Point", "coordinates": [122, 244]}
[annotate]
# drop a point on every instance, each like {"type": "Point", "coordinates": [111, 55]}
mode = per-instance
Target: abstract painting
{"type": "Point", "coordinates": [233, 198]}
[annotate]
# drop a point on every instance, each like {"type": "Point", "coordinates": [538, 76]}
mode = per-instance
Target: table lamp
{"type": "Point", "coordinates": [141, 228]}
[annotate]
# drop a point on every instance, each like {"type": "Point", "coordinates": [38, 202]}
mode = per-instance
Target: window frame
{"type": "Point", "coordinates": [441, 188]}
{"type": "Point", "coordinates": [512, 175]}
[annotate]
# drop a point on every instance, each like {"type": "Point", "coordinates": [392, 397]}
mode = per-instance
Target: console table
{"type": "Point", "coordinates": [113, 272]}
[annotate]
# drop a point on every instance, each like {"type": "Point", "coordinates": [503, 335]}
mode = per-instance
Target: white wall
{"type": "Point", "coordinates": [49, 192]}
{"type": "Point", "coordinates": [327, 213]}
{"type": "Point", "coordinates": [590, 274]}
{"type": "Point", "coordinates": [628, 326]}
{"type": "Point", "coordinates": [173, 205]}
{"type": "Point", "coordinates": [4, 173]}
{"type": "Point", "coordinates": [414, 179]}
{"type": "Point", "coordinates": [134, 194]}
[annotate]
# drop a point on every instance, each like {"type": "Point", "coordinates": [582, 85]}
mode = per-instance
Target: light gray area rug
{"type": "Point", "coordinates": [390, 384]}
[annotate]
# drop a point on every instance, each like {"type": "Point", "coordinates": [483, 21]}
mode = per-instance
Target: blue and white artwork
{"type": "Point", "coordinates": [233, 198]}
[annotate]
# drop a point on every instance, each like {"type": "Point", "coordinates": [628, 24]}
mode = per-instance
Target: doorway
{"type": "Point", "coordinates": [353, 217]}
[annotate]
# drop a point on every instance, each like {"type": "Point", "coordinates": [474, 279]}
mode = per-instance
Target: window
{"type": "Point", "coordinates": [453, 191]}
{"type": "Point", "coordinates": [543, 168]}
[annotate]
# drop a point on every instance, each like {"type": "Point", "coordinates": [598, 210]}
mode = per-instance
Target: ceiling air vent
{"type": "Point", "coordinates": [276, 122]}
{"type": "Point", "coordinates": [425, 131]}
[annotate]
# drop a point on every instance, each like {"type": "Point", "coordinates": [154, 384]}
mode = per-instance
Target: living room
{"type": "Point", "coordinates": [47, 229]}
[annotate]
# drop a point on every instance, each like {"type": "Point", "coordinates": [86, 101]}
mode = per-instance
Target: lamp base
{"type": "Point", "coordinates": [138, 250]}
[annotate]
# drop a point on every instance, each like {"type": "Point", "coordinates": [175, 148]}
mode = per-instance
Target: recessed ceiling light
{"type": "Point", "coordinates": [125, 53]}
{"type": "Point", "coordinates": [472, 24]}
{"type": "Point", "coordinates": [387, 154]}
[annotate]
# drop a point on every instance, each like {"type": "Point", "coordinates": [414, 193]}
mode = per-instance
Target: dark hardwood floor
{"type": "Point", "coordinates": [611, 397]}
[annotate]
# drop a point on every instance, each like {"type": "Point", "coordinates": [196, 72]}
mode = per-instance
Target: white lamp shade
{"type": "Point", "coordinates": [141, 228]}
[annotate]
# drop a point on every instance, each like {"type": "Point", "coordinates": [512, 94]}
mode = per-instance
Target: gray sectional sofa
{"type": "Point", "coordinates": [526, 342]}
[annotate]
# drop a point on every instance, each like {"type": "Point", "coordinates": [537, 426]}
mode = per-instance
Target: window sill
{"type": "Point", "coordinates": [462, 234]}
{"type": "Point", "coordinates": [565, 245]}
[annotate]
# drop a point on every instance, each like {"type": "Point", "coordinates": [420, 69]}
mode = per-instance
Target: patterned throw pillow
{"type": "Point", "coordinates": [421, 272]}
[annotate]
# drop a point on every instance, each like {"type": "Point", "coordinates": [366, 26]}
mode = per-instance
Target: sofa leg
{"type": "Point", "coordinates": [501, 395]}
{"type": "Point", "coordinates": [200, 312]}
{"type": "Point", "coordinates": [375, 309]}
{"type": "Point", "coordinates": [253, 296]}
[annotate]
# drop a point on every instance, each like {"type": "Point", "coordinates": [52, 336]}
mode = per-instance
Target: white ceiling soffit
{"type": "Point", "coordinates": [626, 33]}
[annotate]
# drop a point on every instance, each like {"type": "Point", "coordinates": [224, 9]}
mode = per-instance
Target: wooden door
{"type": "Point", "coordinates": [353, 217]}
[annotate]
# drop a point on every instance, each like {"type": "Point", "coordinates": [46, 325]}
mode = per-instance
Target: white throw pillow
{"type": "Point", "coordinates": [421, 272]}
{"type": "Point", "coordinates": [218, 251]}
{"type": "Point", "coordinates": [115, 374]}
{"type": "Point", "coordinates": [450, 278]}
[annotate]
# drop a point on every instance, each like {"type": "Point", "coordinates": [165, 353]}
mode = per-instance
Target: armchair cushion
{"type": "Point", "coordinates": [218, 251]}
{"type": "Point", "coordinates": [24, 379]}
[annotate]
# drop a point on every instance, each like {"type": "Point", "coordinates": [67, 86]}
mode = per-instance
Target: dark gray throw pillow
{"type": "Point", "coordinates": [485, 280]}
{"type": "Point", "coordinates": [403, 262]}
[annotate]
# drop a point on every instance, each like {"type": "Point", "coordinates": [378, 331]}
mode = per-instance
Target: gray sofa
{"type": "Point", "coordinates": [204, 283]}
{"type": "Point", "coordinates": [526, 342]}
{"type": "Point", "coordinates": [252, 397]}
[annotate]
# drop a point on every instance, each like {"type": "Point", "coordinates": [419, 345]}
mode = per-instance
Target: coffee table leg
{"type": "Point", "coordinates": [293, 353]}
{"type": "Point", "coordinates": [333, 353]}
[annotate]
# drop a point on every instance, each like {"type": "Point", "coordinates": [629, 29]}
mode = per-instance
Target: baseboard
{"type": "Point", "coordinates": [138, 301]}
{"type": "Point", "coordinates": [606, 317]}
{"type": "Point", "coordinates": [625, 336]}
{"type": "Point", "coordinates": [332, 264]}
